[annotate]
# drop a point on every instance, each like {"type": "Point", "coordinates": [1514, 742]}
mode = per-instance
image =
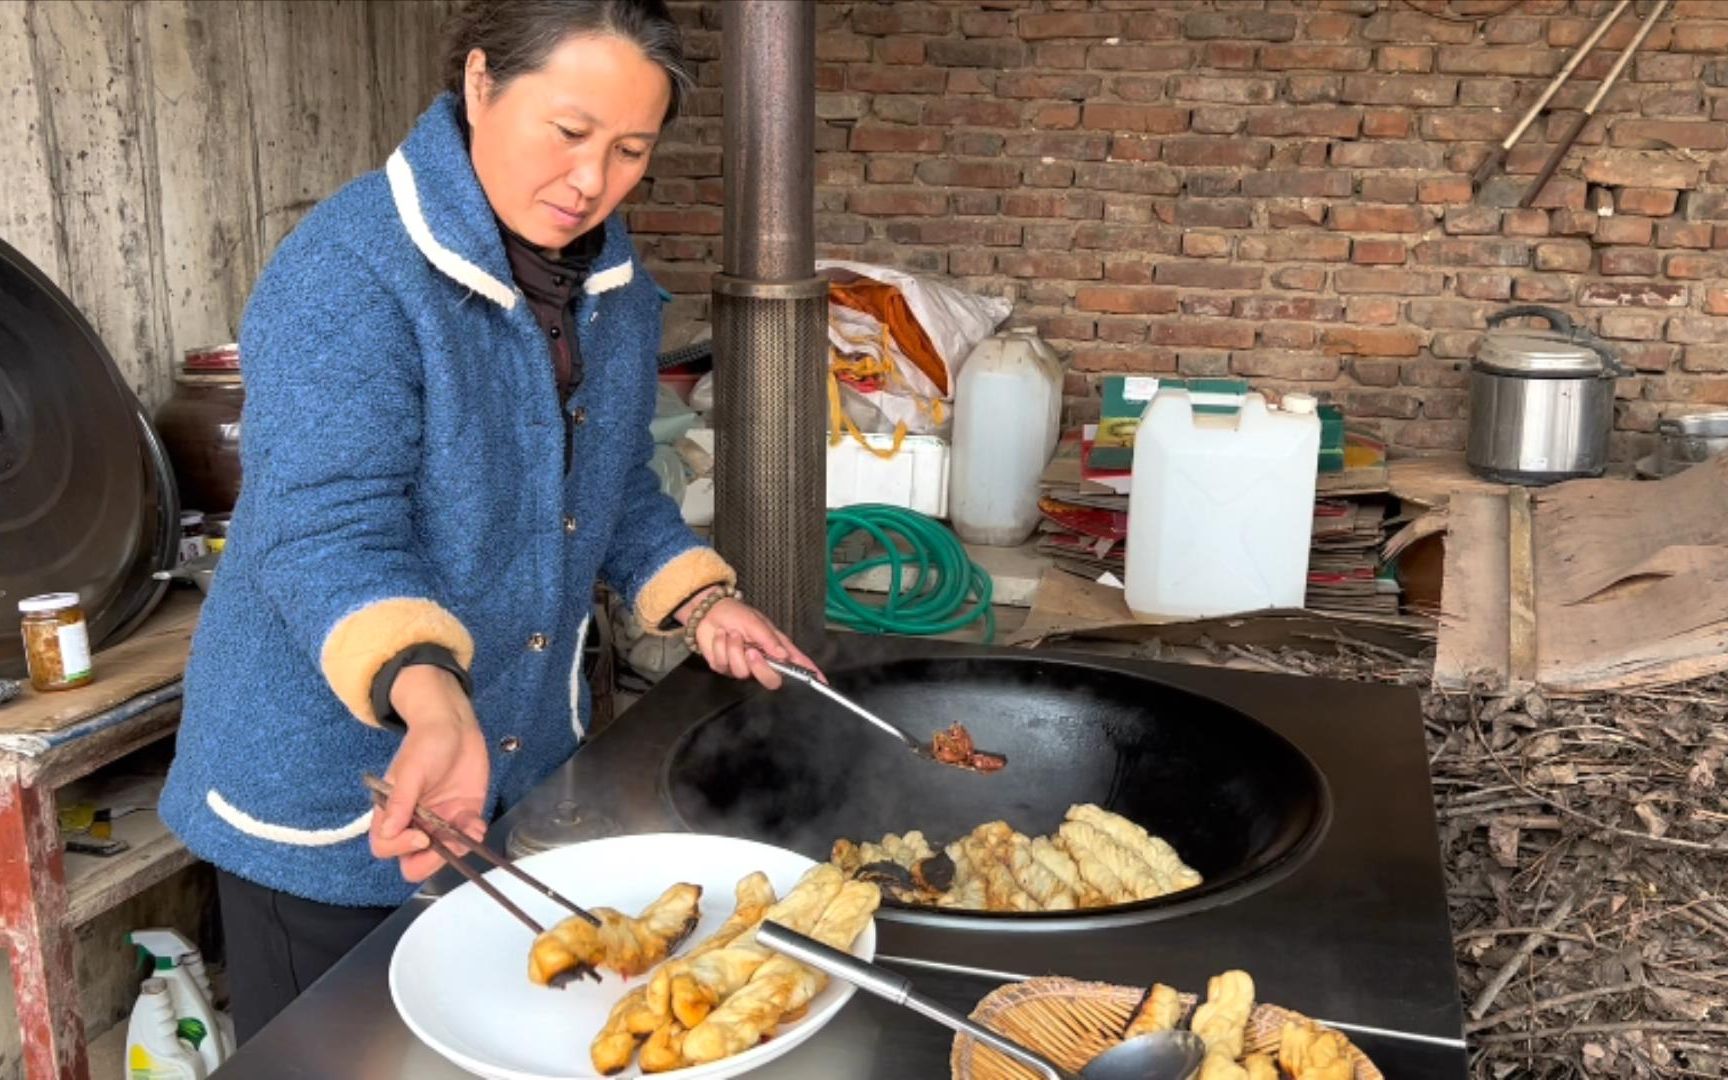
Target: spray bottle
{"type": "Point", "coordinates": [153, 1049]}
{"type": "Point", "coordinates": [177, 963]}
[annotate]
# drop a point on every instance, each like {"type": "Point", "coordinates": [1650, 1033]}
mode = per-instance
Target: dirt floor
{"type": "Point", "coordinates": [1586, 851]}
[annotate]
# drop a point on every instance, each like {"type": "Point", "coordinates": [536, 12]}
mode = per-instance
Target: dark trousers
{"type": "Point", "coordinates": [278, 944]}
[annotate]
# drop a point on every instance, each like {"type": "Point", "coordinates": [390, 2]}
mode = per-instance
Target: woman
{"type": "Point", "coordinates": [450, 370]}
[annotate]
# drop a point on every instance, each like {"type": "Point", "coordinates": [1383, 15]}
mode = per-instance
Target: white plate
{"type": "Point", "coordinates": [459, 976]}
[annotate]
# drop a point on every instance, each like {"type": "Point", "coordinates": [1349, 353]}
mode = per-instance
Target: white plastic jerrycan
{"type": "Point", "coordinates": [1007, 419]}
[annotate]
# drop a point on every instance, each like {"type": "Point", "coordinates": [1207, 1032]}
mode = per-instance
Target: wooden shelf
{"type": "Point", "coordinates": [95, 884]}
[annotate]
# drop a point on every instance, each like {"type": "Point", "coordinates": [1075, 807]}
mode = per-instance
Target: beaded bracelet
{"type": "Point", "coordinates": [721, 592]}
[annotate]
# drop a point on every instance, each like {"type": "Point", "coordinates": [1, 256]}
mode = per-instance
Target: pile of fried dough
{"type": "Point", "coordinates": [724, 994]}
{"type": "Point", "coordinates": [1095, 859]}
{"type": "Point", "coordinates": [1305, 1051]}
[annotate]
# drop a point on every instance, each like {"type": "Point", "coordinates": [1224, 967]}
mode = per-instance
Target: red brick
{"type": "Point", "coordinates": [1400, 190]}
{"type": "Point", "coordinates": [1310, 89]}
{"type": "Point", "coordinates": [887, 170]}
{"type": "Point", "coordinates": [1454, 125]}
{"type": "Point", "coordinates": [1223, 153]}
{"type": "Point", "coordinates": [1701, 37]}
{"type": "Point", "coordinates": [1207, 334]}
{"type": "Point", "coordinates": [1294, 246]}
{"type": "Point", "coordinates": [841, 47]}
{"type": "Point", "coordinates": [656, 220]}
{"type": "Point", "coordinates": [1059, 54]}
{"type": "Point", "coordinates": [1299, 278]}
{"type": "Point", "coordinates": [1385, 124]}
{"type": "Point", "coordinates": [1370, 341]}
{"type": "Point", "coordinates": [1055, 174]}
{"type": "Point", "coordinates": [881, 20]}
{"type": "Point", "coordinates": [1309, 185]}
{"type": "Point", "coordinates": [1305, 57]}
{"type": "Point", "coordinates": [1068, 24]}
{"type": "Point", "coordinates": [1406, 59]}
{"type": "Point", "coordinates": [1048, 204]}
{"type": "Point", "coordinates": [1123, 331]}
{"type": "Point", "coordinates": [1217, 119]}
{"type": "Point", "coordinates": [1574, 223]}
{"type": "Point", "coordinates": [877, 138]}
{"type": "Point", "coordinates": [1230, 91]}
{"type": "Point", "coordinates": [1685, 134]}
{"type": "Point", "coordinates": [1056, 116]}
{"type": "Point", "coordinates": [1632, 294]}
{"type": "Point", "coordinates": [872, 79]}
{"type": "Point", "coordinates": [1320, 122]}
{"type": "Point", "coordinates": [1698, 330]}
{"type": "Point", "coordinates": [1231, 55]}
{"type": "Point", "coordinates": [1683, 234]}
{"type": "Point", "coordinates": [1480, 60]}
{"type": "Point", "coordinates": [1628, 262]}
{"type": "Point", "coordinates": [1205, 245]}
{"type": "Point", "coordinates": [1125, 300]}
{"type": "Point", "coordinates": [1706, 359]}
{"type": "Point", "coordinates": [967, 261]}
{"type": "Point", "coordinates": [1378, 252]}
{"type": "Point", "coordinates": [1473, 252]}
{"type": "Point", "coordinates": [1631, 326]}
{"type": "Point", "coordinates": [1653, 202]}
{"type": "Point", "coordinates": [1297, 308]}
{"type": "Point", "coordinates": [1431, 434]}
{"type": "Point", "coordinates": [1108, 236]}
{"type": "Point", "coordinates": [1327, 26]}
{"type": "Point", "coordinates": [1065, 146]}
{"type": "Point", "coordinates": [1650, 356]}
{"type": "Point", "coordinates": [1149, 119]}
{"type": "Point", "coordinates": [974, 144]}
{"type": "Point", "coordinates": [1424, 90]}
{"type": "Point", "coordinates": [951, 172]}
{"type": "Point", "coordinates": [1445, 189]}
{"type": "Point", "coordinates": [976, 113]}
{"type": "Point", "coordinates": [1478, 286]}
{"type": "Point", "coordinates": [1388, 155]}
{"type": "Point", "coordinates": [1287, 336]}
{"type": "Point", "coordinates": [1375, 219]}
{"type": "Point", "coordinates": [1143, 25]}
{"type": "Point", "coordinates": [1625, 230]}
{"type": "Point", "coordinates": [1444, 314]}
{"type": "Point", "coordinates": [1129, 271]}
{"type": "Point", "coordinates": [899, 50]}
{"type": "Point", "coordinates": [1050, 265]}
{"type": "Point", "coordinates": [1355, 279]}
{"type": "Point", "coordinates": [1072, 87]}
{"type": "Point", "coordinates": [1279, 364]}
{"type": "Point", "coordinates": [1373, 311]}
{"type": "Point", "coordinates": [987, 24]}
{"type": "Point", "coordinates": [1524, 223]}
{"type": "Point", "coordinates": [1127, 360]}
{"type": "Point", "coordinates": [1207, 275]}
{"type": "Point", "coordinates": [1715, 302]}
{"type": "Point", "coordinates": [1212, 307]}
{"type": "Point", "coordinates": [1064, 328]}
{"type": "Point", "coordinates": [1696, 267]}
{"type": "Point", "coordinates": [1214, 214]}
{"type": "Point", "coordinates": [996, 55]}
{"type": "Point", "coordinates": [1295, 213]}
{"type": "Point", "coordinates": [886, 202]}
{"type": "Point", "coordinates": [1562, 193]}
{"type": "Point", "coordinates": [1444, 404]}
{"type": "Point", "coordinates": [1642, 170]}
{"type": "Point", "coordinates": [1512, 31]}
{"type": "Point", "coordinates": [1572, 258]}
{"type": "Point", "coordinates": [956, 232]}
{"type": "Point", "coordinates": [1239, 25]}
{"type": "Point", "coordinates": [1471, 221]}
{"type": "Point", "coordinates": [1140, 57]}
{"type": "Point", "coordinates": [1397, 404]}
{"type": "Point", "coordinates": [1128, 177]}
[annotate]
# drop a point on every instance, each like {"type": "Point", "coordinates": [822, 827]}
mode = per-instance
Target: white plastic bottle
{"type": "Point", "coordinates": [153, 1049]}
{"type": "Point", "coordinates": [178, 964]}
{"type": "Point", "coordinates": [1221, 511]}
{"type": "Point", "coordinates": [1007, 419]}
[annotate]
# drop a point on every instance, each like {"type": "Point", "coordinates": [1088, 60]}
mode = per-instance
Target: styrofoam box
{"type": "Point", "coordinates": [916, 477]}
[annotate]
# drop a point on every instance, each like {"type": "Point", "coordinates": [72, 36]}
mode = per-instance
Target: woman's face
{"type": "Point", "coordinates": [557, 149]}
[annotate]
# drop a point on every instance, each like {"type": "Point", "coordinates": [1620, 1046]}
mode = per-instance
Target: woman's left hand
{"type": "Point", "coordinates": [734, 637]}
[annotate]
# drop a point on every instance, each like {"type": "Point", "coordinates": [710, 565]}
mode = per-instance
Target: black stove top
{"type": "Point", "coordinates": [1355, 935]}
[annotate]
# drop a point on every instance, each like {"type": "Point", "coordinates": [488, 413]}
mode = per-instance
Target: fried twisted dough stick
{"type": "Point", "coordinates": [1048, 891]}
{"type": "Point", "coordinates": [1308, 1053]}
{"type": "Point", "coordinates": [1222, 1021]}
{"type": "Point", "coordinates": [1260, 1067]}
{"type": "Point", "coordinates": [695, 986]}
{"type": "Point", "coordinates": [1159, 1010]}
{"type": "Point", "coordinates": [624, 944]}
{"type": "Point", "coordinates": [636, 1015]}
{"type": "Point", "coordinates": [1167, 867]}
{"type": "Point", "coordinates": [781, 985]}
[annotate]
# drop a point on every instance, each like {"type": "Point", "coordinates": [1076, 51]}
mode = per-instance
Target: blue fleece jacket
{"type": "Point", "coordinates": [404, 460]}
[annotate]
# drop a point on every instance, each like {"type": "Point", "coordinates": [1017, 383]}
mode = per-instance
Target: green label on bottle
{"type": "Point", "coordinates": [192, 1030]}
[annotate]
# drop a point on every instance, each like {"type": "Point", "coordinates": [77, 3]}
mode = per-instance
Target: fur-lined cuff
{"type": "Point", "coordinates": [364, 641]}
{"type": "Point", "coordinates": [677, 581]}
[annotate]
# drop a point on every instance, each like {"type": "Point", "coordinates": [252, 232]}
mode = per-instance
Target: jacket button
{"type": "Point", "coordinates": [554, 331]}
{"type": "Point", "coordinates": [569, 523]}
{"type": "Point", "coordinates": [579, 415]}
{"type": "Point", "coordinates": [537, 642]}
{"type": "Point", "coordinates": [509, 744]}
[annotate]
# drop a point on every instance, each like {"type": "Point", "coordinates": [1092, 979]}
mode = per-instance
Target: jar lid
{"type": "Point", "coordinates": [54, 601]}
{"type": "Point", "coordinates": [1537, 353]}
{"type": "Point", "coordinates": [212, 358]}
{"type": "Point", "coordinates": [1300, 404]}
{"type": "Point", "coordinates": [191, 517]}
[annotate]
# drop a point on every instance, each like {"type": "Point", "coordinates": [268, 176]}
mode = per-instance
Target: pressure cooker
{"type": "Point", "coordinates": [1541, 401]}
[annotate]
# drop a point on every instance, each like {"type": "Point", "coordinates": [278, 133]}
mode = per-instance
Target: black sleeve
{"type": "Point", "coordinates": [670, 622]}
{"type": "Point", "coordinates": [385, 680]}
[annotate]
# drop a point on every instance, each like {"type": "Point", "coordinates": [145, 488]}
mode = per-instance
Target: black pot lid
{"type": "Point", "coordinates": [87, 499]}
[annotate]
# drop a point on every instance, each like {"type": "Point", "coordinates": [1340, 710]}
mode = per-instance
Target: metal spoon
{"type": "Point", "coordinates": [1166, 1055]}
{"type": "Point", "coordinates": [810, 679]}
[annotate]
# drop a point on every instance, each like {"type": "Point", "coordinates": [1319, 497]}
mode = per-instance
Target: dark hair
{"type": "Point", "coordinates": [518, 35]}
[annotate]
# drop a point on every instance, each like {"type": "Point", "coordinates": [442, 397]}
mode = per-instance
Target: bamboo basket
{"type": "Point", "coordinates": [1071, 1022]}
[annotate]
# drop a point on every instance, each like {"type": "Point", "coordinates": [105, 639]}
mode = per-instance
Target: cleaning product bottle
{"type": "Point", "coordinates": [175, 960]}
{"type": "Point", "coordinates": [153, 1049]}
{"type": "Point", "coordinates": [193, 962]}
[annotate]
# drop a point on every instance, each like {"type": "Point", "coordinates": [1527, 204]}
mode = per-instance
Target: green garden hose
{"type": "Point", "coordinates": [934, 600]}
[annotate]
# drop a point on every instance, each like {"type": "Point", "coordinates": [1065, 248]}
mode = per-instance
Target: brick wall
{"type": "Point", "coordinates": [1267, 188]}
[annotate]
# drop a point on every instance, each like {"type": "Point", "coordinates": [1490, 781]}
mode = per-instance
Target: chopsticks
{"type": "Point", "coordinates": [440, 833]}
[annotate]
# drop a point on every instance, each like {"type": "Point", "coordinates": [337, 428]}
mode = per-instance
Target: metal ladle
{"type": "Point", "coordinates": [1165, 1055]}
{"type": "Point", "coordinates": [810, 679]}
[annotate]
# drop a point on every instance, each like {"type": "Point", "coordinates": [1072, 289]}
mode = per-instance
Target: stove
{"type": "Point", "coordinates": [1335, 903]}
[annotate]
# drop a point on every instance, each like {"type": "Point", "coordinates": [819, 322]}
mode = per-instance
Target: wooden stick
{"type": "Point", "coordinates": [1510, 967]}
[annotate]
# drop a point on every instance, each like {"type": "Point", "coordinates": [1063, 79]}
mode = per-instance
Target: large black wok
{"type": "Point", "coordinates": [1239, 803]}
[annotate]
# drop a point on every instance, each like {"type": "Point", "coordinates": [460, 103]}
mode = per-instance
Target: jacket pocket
{"type": "Point", "coordinates": [243, 822]}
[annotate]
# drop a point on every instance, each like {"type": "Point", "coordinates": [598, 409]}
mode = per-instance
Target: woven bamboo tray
{"type": "Point", "coordinates": [1071, 1022]}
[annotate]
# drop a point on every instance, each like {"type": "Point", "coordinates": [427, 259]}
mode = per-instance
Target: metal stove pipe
{"type": "Point", "coordinates": [771, 319]}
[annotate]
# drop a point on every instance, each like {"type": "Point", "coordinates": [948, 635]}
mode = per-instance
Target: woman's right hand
{"type": "Point", "coordinates": [442, 766]}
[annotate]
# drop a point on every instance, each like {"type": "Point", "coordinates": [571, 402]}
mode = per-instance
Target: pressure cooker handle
{"type": "Point", "coordinates": [1559, 320]}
